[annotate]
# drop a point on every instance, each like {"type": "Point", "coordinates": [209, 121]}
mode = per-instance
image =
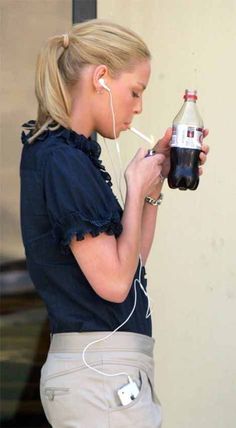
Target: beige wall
{"type": "Point", "coordinates": [192, 271]}
{"type": "Point", "coordinates": [192, 266]}
{"type": "Point", "coordinates": [25, 24]}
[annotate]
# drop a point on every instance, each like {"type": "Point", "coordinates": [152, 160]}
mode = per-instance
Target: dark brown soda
{"type": "Point", "coordinates": [184, 173]}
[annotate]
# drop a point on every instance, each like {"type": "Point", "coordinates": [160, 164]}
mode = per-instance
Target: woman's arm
{"type": "Point", "coordinates": [149, 218]}
{"type": "Point", "coordinates": [150, 212]}
{"type": "Point", "coordinates": [109, 264]}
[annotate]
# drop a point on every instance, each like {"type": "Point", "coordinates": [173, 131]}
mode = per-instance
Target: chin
{"type": "Point", "coordinates": [109, 135]}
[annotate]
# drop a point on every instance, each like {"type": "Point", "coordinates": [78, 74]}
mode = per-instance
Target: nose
{"type": "Point", "coordinates": [138, 106]}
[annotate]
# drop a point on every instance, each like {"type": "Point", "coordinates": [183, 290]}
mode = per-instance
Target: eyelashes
{"type": "Point", "coordinates": [135, 95]}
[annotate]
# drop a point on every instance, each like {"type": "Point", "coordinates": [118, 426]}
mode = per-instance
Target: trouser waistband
{"type": "Point", "coordinates": [119, 341]}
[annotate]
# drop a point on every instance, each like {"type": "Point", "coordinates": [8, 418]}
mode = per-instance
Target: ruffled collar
{"type": "Point", "coordinates": [90, 147]}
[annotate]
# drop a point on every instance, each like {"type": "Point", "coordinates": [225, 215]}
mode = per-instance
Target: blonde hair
{"type": "Point", "coordinates": [63, 57]}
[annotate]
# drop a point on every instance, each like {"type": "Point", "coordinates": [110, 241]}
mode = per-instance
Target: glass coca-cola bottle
{"type": "Point", "coordinates": [187, 137]}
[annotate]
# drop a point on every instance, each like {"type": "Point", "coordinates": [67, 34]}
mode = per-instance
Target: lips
{"type": "Point", "coordinates": [127, 125]}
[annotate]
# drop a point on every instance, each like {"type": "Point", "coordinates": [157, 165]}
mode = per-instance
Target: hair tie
{"type": "Point", "coordinates": [66, 40]}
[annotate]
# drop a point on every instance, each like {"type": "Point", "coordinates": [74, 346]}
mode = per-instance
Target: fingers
{"type": "Point", "coordinates": [203, 154]}
{"type": "Point", "coordinates": [145, 171]}
{"type": "Point", "coordinates": [157, 162]}
{"type": "Point", "coordinates": [205, 133]}
{"type": "Point", "coordinates": [202, 158]}
{"type": "Point", "coordinates": [160, 158]}
{"type": "Point", "coordinates": [141, 153]}
{"type": "Point", "coordinates": [205, 148]}
{"type": "Point", "coordinates": [167, 136]}
{"type": "Point", "coordinates": [165, 140]}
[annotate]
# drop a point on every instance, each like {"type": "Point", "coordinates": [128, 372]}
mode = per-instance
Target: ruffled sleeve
{"type": "Point", "coordinates": [78, 199]}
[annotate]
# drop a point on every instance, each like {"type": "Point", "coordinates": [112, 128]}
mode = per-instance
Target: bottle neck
{"type": "Point", "coordinates": [190, 100]}
{"type": "Point", "coordinates": [188, 113]}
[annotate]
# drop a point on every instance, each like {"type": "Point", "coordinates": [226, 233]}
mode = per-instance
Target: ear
{"type": "Point", "coordinates": [101, 71]}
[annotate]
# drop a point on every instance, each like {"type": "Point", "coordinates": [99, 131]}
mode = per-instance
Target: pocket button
{"type": "Point", "coordinates": [50, 395]}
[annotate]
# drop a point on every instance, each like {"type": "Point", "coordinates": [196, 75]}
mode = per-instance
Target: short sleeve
{"type": "Point", "coordinates": [78, 199]}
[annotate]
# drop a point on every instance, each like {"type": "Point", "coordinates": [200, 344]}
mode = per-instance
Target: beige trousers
{"type": "Point", "coordinates": [75, 396]}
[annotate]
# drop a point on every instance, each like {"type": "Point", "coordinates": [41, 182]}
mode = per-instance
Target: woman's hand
{"type": "Point", "coordinates": [163, 147]}
{"type": "Point", "coordinates": [143, 173]}
{"type": "Point", "coordinates": [204, 152]}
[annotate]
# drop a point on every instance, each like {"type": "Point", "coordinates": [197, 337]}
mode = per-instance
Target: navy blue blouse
{"type": "Point", "coordinates": [66, 192]}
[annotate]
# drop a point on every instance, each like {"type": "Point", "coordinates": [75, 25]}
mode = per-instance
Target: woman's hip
{"type": "Point", "coordinates": [112, 379]}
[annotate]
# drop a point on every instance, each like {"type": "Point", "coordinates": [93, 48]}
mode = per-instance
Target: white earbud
{"type": "Point", "coordinates": [103, 84]}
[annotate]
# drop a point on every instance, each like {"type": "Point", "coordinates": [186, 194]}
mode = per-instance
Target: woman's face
{"type": "Point", "coordinates": [126, 92]}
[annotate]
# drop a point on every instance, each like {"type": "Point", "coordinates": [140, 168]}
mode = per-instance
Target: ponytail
{"type": "Point", "coordinates": [51, 91]}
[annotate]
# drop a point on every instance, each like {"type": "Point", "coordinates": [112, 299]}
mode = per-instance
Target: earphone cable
{"type": "Point", "coordinates": [148, 313]}
{"type": "Point", "coordinates": [136, 281]}
{"type": "Point", "coordinates": [117, 147]}
{"type": "Point", "coordinates": [114, 169]}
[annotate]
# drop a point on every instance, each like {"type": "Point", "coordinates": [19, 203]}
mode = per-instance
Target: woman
{"type": "Point", "coordinates": [86, 254]}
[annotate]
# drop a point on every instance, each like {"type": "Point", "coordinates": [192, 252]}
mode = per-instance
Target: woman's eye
{"type": "Point", "coordinates": [135, 94]}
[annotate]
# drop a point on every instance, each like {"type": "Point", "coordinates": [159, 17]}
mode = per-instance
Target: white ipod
{"type": "Point", "coordinates": [128, 393]}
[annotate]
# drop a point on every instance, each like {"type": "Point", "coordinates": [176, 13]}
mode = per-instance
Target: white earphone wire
{"type": "Point", "coordinates": [148, 313]}
{"type": "Point", "coordinates": [117, 147]}
{"type": "Point", "coordinates": [114, 169]}
{"type": "Point", "coordinates": [136, 281]}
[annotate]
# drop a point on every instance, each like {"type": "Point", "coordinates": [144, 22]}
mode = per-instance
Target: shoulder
{"type": "Point", "coordinates": [59, 147]}
{"type": "Point", "coordinates": [58, 154]}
